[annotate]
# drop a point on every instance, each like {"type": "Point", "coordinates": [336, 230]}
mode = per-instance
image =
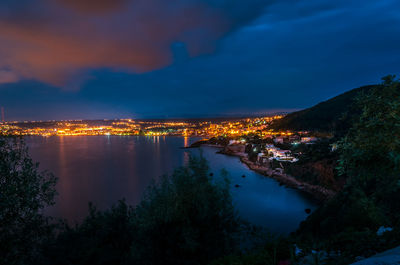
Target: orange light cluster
{"type": "Point", "coordinates": [231, 128]}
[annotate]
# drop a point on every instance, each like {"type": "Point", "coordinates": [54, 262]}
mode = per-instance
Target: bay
{"type": "Point", "coordinates": [105, 169]}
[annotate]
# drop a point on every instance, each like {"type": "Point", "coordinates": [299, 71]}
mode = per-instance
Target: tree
{"type": "Point", "coordinates": [370, 153]}
{"type": "Point", "coordinates": [184, 218]}
{"type": "Point", "coordinates": [24, 193]}
{"type": "Point", "coordinates": [104, 237]}
{"type": "Point", "coordinates": [370, 159]}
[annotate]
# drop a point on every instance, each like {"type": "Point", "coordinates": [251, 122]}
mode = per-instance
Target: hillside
{"type": "Point", "coordinates": [325, 116]}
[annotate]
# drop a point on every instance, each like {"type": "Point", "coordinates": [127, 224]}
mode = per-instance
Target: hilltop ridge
{"type": "Point", "coordinates": [327, 116]}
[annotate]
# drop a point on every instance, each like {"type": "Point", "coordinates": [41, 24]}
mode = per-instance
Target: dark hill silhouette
{"type": "Point", "coordinates": [333, 115]}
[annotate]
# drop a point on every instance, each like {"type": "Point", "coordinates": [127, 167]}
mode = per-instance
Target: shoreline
{"type": "Point", "coordinates": [318, 193]}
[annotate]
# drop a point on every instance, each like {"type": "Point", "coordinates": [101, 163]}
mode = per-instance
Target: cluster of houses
{"type": "Point", "coordinates": [272, 152]}
{"type": "Point", "coordinates": [269, 152]}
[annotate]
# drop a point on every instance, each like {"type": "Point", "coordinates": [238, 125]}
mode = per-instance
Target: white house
{"type": "Point", "coordinates": [278, 154]}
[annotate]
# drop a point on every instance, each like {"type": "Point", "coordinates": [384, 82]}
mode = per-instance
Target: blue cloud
{"type": "Point", "coordinates": [293, 55]}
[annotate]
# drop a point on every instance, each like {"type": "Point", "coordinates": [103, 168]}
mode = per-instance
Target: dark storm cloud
{"type": "Point", "coordinates": [53, 41]}
{"type": "Point", "coordinates": [284, 55]}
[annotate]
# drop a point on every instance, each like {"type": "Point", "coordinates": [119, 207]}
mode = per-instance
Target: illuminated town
{"type": "Point", "coordinates": [211, 128]}
{"type": "Point", "coordinates": [235, 133]}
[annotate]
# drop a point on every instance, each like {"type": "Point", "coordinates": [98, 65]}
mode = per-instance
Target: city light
{"type": "Point", "coordinates": [212, 128]}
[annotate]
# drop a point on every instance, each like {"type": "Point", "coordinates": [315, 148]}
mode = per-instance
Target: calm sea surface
{"type": "Point", "coordinates": [105, 169]}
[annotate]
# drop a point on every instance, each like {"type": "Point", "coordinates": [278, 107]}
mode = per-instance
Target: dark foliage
{"type": "Point", "coordinates": [185, 218]}
{"type": "Point", "coordinates": [370, 158]}
{"type": "Point", "coordinates": [317, 164]}
{"type": "Point", "coordinates": [188, 217]}
{"type": "Point", "coordinates": [24, 192]}
{"type": "Point", "coordinates": [252, 151]}
{"type": "Point", "coordinates": [103, 238]}
{"type": "Point", "coordinates": [276, 251]}
{"type": "Point", "coordinates": [223, 141]}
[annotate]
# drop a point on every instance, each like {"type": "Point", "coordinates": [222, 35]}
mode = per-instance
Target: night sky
{"type": "Point", "coordinates": [79, 59]}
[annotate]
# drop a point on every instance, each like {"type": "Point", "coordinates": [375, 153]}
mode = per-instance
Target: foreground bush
{"type": "Point", "coordinates": [370, 158]}
{"type": "Point", "coordinates": [24, 192]}
{"type": "Point", "coordinates": [184, 218]}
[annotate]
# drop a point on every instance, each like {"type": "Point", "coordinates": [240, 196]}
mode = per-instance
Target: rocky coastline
{"type": "Point", "coordinates": [317, 192]}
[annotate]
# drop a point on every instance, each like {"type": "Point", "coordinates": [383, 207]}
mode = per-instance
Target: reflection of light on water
{"type": "Point", "coordinates": [63, 186]}
{"type": "Point", "coordinates": [156, 141]}
{"type": "Point", "coordinates": [89, 169]}
{"type": "Point", "coordinates": [62, 156]}
{"type": "Point", "coordinates": [186, 157]}
{"type": "Point", "coordinates": [131, 145]}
